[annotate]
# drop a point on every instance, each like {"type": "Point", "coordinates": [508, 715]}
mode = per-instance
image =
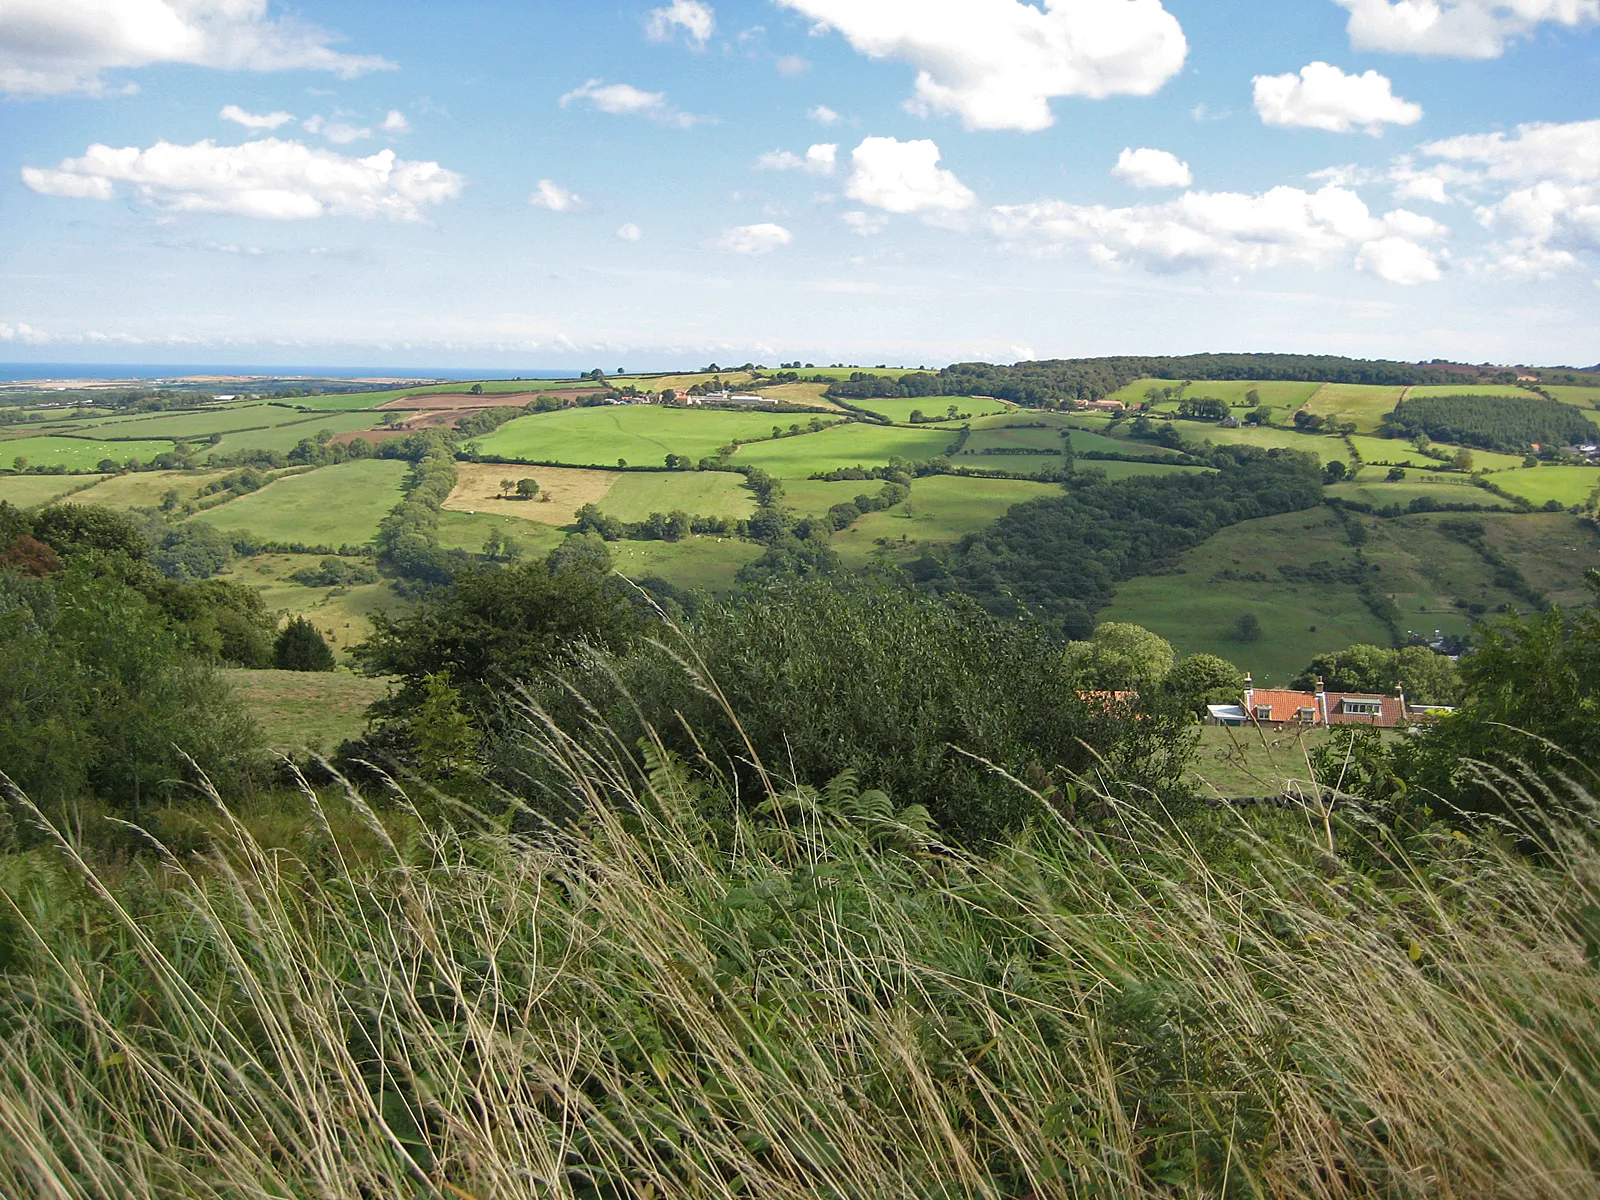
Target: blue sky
{"type": "Point", "coordinates": [667, 182]}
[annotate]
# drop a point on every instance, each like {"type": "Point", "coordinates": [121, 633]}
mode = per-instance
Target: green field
{"type": "Point", "coordinates": [1324, 446]}
{"type": "Point", "coordinates": [202, 422]}
{"type": "Point", "coordinates": [1443, 489]}
{"type": "Point", "coordinates": [29, 491]}
{"type": "Point", "coordinates": [342, 614]}
{"type": "Point", "coordinates": [1553, 550]}
{"type": "Point", "coordinates": [1273, 393]}
{"type": "Point", "coordinates": [698, 562]}
{"type": "Point", "coordinates": [983, 441]}
{"type": "Point", "coordinates": [942, 508]}
{"type": "Point", "coordinates": [1127, 470]}
{"type": "Point", "coordinates": [850, 445]}
{"type": "Point", "coordinates": [351, 401]}
{"type": "Point", "coordinates": [1579, 397]}
{"type": "Point", "coordinates": [331, 506]}
{"type": "Point", "coordinates": [932, 406]}
{"type": "Point", "coordinates": [144, 489]}
{"type": "Point", "coordinates": [285, 438]}
{"type": "Point", "coordinates": [1568, 485]}
{"type": "Point", "coordinates": [1390, 452]}
{"type": "Point", "coordinates": [642, 435]}
{"type": "Point", "coordinates": [813, 497]}
{"type": "Point", "coordinates": [1362, 404]}
{"type": "Point", "coordinates": [1254, 762]}
{"type": "Point", "coordinates": [77, 454]}
{"type": "Point", "coordinates": [299, 710]}
{"type": "Point", "coordinates": [1467, 389]}
{"type": "Point", "coordinates": [469, 532]}
{"type": "Point", "coordinates": [637, 494]}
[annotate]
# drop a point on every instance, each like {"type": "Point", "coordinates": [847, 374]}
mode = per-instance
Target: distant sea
{"type": "Point", "coordinates": [25, 372]}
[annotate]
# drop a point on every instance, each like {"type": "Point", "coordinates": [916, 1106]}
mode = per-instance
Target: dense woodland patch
{"type": "Point", "coordinates": [1510, 423]}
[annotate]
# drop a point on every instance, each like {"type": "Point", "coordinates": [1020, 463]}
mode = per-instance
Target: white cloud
{"type": "Point", "coordinates": [396, 122]}
{"type": "Point", "coordinates": [268, 179]}
{"type": "Point", "coordinates": [250, 120]}
{"type": "Point", "coordinates": [819, 160]}
{"type": "Point", "coordinates": [823, 115]}
{"type": "Point", "coordinates": [549, 194]}
{"type": "Point", "coordinates": [1457, 28]}
{"type": "Point", "coordinates": [1398, 260]}
{"type": "Point", "coordinates": [792, 66]}
{"type": "Point", "coordinates": [625, 100]}
{"type": "Point", "coordinates": [1324, 97]}
{"type": "Point", "coordinates": [630, 232]}
{"type": "Point", "coordinates": [865, 224]}
{"type": "Point", "coordinates": [1223, 230]}
{"type": "Point", "coordinates": [1538, 151]}
{"type": "Point", "coordinates": [695, 20]}
{"type": "Point", "coordinates": [58, 46]}
{"type": "Point", "coordinates": [339, 132]}
{"type": "Point", "coordinates": [998, 63]}
{"type": "Point", "coordinates": [754, 239]}
{"type": "Point", "coordinates": [905, 177]}
{"type": "Point", "coordinates": [1147, 168]}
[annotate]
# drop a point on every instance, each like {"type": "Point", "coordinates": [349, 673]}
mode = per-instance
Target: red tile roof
{"type": "Point", "coordinates": [1391, 712]}
{"type": "Point", "coordinates": [1285, 706]}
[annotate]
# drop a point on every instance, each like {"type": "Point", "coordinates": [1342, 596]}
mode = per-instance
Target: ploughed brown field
{"type": "Point", "coordinates": [456, 400]}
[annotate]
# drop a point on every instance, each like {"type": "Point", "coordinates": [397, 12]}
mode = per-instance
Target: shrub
{"type": "Point", "coordinates": [301, 647]}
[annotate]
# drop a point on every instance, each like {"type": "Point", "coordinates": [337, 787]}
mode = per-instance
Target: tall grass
{"type": "Point", "coordinates": [801, 994]}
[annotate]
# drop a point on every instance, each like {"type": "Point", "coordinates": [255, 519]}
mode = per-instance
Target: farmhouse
{"type": "Point", "coordinates": [1266, 706]}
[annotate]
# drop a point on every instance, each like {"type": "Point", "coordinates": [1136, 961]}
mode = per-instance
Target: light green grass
{"type": "Point", "coordinates": [1579, 397]}
{"type": "Point", "coordinates": [78, 454]}
{"type": "Point", "coordinates": [642, 435]}
{"type": "Point", "coordinates": [1553, 551]}
{"type": "Point", "coordinates": [343, 615]}
{"type": "Point", "coordinates": [1273, 393]}
{"type": "Point", "coordinates": [1376, 492]}
{"type": "Point", "coordinates": [469, 532]}
{"type": "Point", "coordinates": [30, 491]}
{"type": "Point", "coordinates": [1128, 470]}
{"type": "Point", "coordinates": [331, 506]}
{"type": "Point", "coordinates": [813, 497]}
{"type": "Point", "coordinates": [932, 406]}
{"type": "Point", "coordinates": [851, 445]}
{"type": "Point", "coordinates": [202, 422]}
{"type": "Point", "coordinates": [637, 494]}
{"type": "Point", "coordinates": [942, 509]}
{"type": "Point", "coordinates": [298, 710]}
{"type": "Point", "coordinates": [144, 489]}
{"type": "Point", "coordinates": [351, 401]}
{"type": "Point", "coordinates": [707, 563]}
{"type": "Point", "coordinates": [1362, 404]}
{"type": "Point", "coordinates": [1249, 763]}
{"type": "Point", "coordinates": [1011, 464]}
{"type": "Point", "coordinates": [1468, 389]}
{"type": "Point", "coordinates": [1390, 452]}
{"type": "Point", "coordinates": [284, 438]}
{"type": "Point", "coordinates": [1324, 446]}
{"type": "Point", "coordinates": [1568, 485]}
{"type": "Point", "coordinates": [983, 441]}
{"type": "Point", "coordinates": [1083, 441]}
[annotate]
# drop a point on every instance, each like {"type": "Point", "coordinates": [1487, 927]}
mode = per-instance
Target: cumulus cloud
{"type": "Point", "coordinates": [1541, 150]}
{"type": "Point", "coordinates": [819, 160]}
{"type": "Point", "coordinates": [396, 122]}
{"type": "Point", "coordinates": [268, 179]}
{"type": "Point", "coordinates": [50, 47]}
{"type": "Point", "coordinates": [998, 63]}
{"type": "Point", "coordinates": [341, 133]}
{"type": "Point", "coordinates": [823, 115]}
{"type": "Point", "coordinates": [1324, 97]}
{"type": "Point", "coordinates": [625, 100]}
{"type": "Point", "coordinates": [1457, 28]}
{"type": "Point", "coordinates": [754, 240]}
{"type": "Point", "coordinates": [250, 120]}
{"type": "Point", "coordinates": [1228, 231]}
{"type": "Point", "coordinates": [549, 194]}
{"type": "Point", "coordinates": [1147, 168]}
{"type": "Point", "coordinates": [905, 177]}
{"type": "Point", "coordinates": [865, 224]}
{"type": "Point", "coordinates": [630, 232]}
{"type": "Point", "coordinates": [696, 21]}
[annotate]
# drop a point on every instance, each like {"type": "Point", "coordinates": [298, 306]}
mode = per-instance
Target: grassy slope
{"type": "Point", "coordinates": [306, 709]}
{"type": "Point", "coordinates": [469, 531]}
{"type": "Point", "coordinates": [643, 435]}
{"type": "Point", "coordinates": [342, 614]}
{"type": "Point", "coordinates": [202, 422]}
{"type": "Point", "coordinates": [1569, 485]}
{"type": "Point", "coordinates": [330, 506]}
{"type": "Point", "coordinates": [27, 491]}
{"type": "Point", "coordinates": [77, 454]}
{"type": "Point", "coordinates": [144, 489]}
{"type": "Point", "coordinates": [1552, 549]}
{"type": "Point", "coordinates": [1579, 397]}
{"type": "Point", "coordinates": [1468, 389]}
{"type": "Point", "coordinates": [696, 562]}
{"type": "Point", "coordinates": [284, 438]}
{"type": "Point", "coordinates": [850, 445]}
{"type": "Point", "coordinates": [636, 495]}
{"type": "Point", "coordinates": [1324, 446]}
{"type": "Point", "coordinates": [1363, 404]}
{"type": "Point", "coordinates": [942, 508]}
{"type": "Point", "coordinates": [1445, 489]}
{"type": "Point", "coordinates": [932, 406]}
{"type": "Point", "coordinates": [1274, 394]}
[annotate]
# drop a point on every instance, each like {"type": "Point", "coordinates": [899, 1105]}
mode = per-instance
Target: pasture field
{"type": "Point", "coordinates": [202, 422]}
{"type": "Point", "coordinates": [469, 531]}
{"type": "Point", "coordinates": [1362, 404]}
{"type": "Point", "coordinates": [844, 373]}
{"type": "Point", "coordinates": [802, 393]}
{"type": "Point", "coordinates": [1422, 391]}
{"type": "Point", "coordinates": [1391, 452]}
{"type": "Point", "coordinates": [1083, 441]}
{"type": "Point", "coordinates": [144, 489]}
{"type": "Point", "coordinates": [1324, 446]}
{"type": "Point", "coordinates": [941, 509]}
{"type": "Point", "coordinates": [568, 488]}
{"type": "Point", "coordinates": [708, 563]}
{"type": "Point", "coordinates": [78, 454]}
{"type": "Point", "coordinates": [1379, 494]}
{"type": "Point", "coordinates": [1578, 397]}
{"type": "Point", "coordinates": [300, 710]}
{"type": "Point", "coordinates": [1012, 464]}
{"type": "Point", "coordinates": [639, 434]}
{"type": "Point", "coordinates": [1567, 485]}
{"type": "Point", "coordinates": [1127, 470]}
{"type": "Point", "coordinates": [331, 506]}
{"type": "Point", "coordinates": [351, 401]}
{"type": "Point", "coordinates": [1252, 762]}
{"type": "Point", "coordinates": [900, 410]}
{"type": "Point", "coordinates": [1554, 550]}
{"type": "Point", "coordinates": [284, 438]}
{"type": "Point", "coordinates": [1009, 437]}
{"type": "Point", "coordinates": [848, 445]}
{"type": "Point", "coordinates": [813, 497]}
{"type": "Point", "coordinates": [31, 491]}
{"type": "Point", "coordinates": [1196, 611]}
{"type": "Point", "coordinates": [654, 383]}
{"type": "Point", "coordinates": [1274, 393]}
{"type": "Point", "coordinates": [637, 494]}
{"type": "Point", "coordinates": [343, 615]}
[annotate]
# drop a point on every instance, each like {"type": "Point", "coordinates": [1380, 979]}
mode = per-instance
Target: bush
{"type": "Point", "coordinates": [301, 647]}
